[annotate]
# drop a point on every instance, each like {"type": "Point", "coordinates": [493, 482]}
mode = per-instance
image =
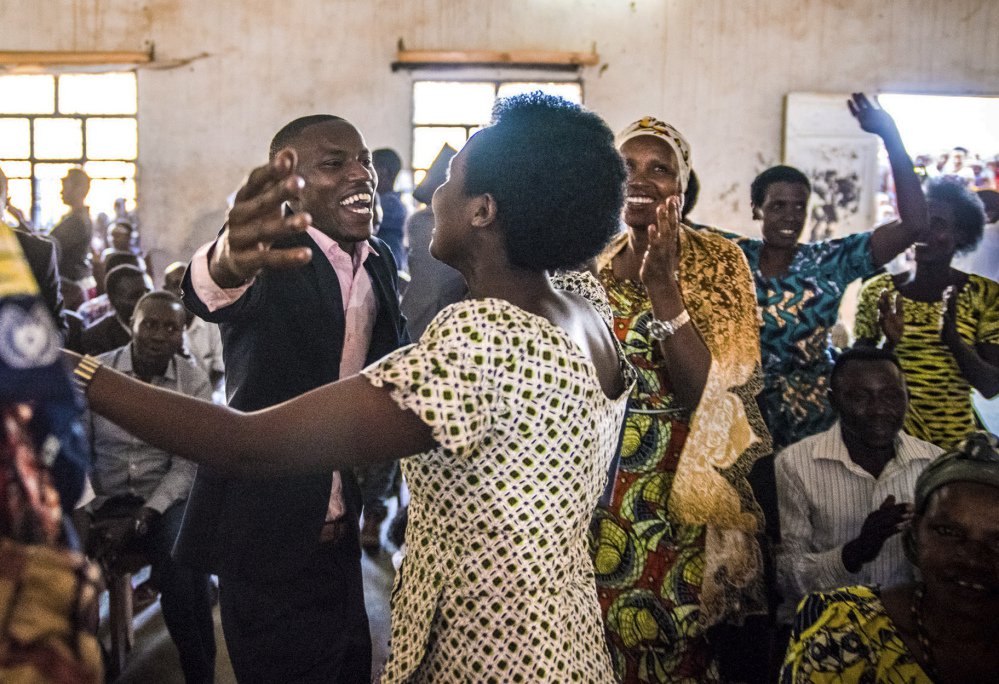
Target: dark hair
{"type": "Point", "coordinates": [557, 179]}
{"type": "Point", "coordinates": [118, 258]}
{"type": "Point", "coordinates": [291, 131]}
{"type": "Point", "coordinates": [690, 194]}
{"type": "Point", "coordinates": [775, 174]}
{"type": "Point", "coordinates": [120, 273]}
{"type": "Point", "coordinates": [969, 212]}
{"type": "Point", "coordinates": [861, 353]}
{"type": "Point", "coordinates": [387, 159]}
{"type": "Point", "coordinates": [160, 295]}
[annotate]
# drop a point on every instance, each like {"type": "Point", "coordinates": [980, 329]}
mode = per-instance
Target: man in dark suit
{"type": "Point", "coordinates": [286, 550]}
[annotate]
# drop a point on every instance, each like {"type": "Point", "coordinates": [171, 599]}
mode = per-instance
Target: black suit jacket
{"type": "Point", "coordinates": [282, 338]}
{"type": "Point", "coordinates": [41, 256]}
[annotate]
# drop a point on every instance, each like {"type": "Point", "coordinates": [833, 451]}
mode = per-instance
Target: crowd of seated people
{"type": "Point", "coordinates": [777, 506]}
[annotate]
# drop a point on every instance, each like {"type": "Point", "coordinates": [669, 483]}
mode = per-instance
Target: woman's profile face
{"type": "Point", "coordinates": [653, 177]}
{"type": "Point", "coordinates": [450, 216]}
{"type": "Point", "coordinates": [957, 541]}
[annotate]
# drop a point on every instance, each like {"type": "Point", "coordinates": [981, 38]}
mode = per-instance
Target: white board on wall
{"type": "Point", "coordinates": [823, 140]}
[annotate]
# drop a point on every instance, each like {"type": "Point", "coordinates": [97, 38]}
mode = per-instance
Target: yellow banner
{"type": "Point", "coordinates": [15, 274]}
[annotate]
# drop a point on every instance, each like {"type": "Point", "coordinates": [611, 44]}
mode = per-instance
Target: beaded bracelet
{"type": "Point", "coordinates": [83, 374]}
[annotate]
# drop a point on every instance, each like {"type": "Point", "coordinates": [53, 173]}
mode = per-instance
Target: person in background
{"type": "Point", "coordinates": [433, 284]}
{"type": "Point", "coordinates": [202, 340]}
{"type": "Point", "coordinates": [74, 232]}
{"type": "Point", "coordinates": [140, 491]}
{"type": "Point", "coordinates": [799, 285]}
{"type": "Point", "coordinates": [942, 628]}
{"type": "Point", "coordinates": [983, 260]}
{"type": "Point", "coordinates": [942, 322]}
{"type": "Point", "coordinates": [98, 307]}
{"type": "Point", "coordinates": [41, 255]}
{"type": "Point", "coordinates": [844, 493]}
{"type": "Point", "coordinates": [125, 284]}
{"type": "Point", "coordinates": [392, 230]}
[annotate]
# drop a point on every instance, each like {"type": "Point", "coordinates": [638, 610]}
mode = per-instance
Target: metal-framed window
{"type": "Point", "coordinates": [450, 111]}
{"type": "Point", "coordinates": [50, 123]}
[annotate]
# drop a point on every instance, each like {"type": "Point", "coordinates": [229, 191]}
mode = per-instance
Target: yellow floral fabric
{"type": "Point", "coordinates": [497, 583]}
{"type": "Point", "coordinates": [846, 636]}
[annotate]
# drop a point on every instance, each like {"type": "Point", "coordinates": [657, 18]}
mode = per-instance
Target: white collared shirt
{"type": "Point", "coordinates": [823, 498]}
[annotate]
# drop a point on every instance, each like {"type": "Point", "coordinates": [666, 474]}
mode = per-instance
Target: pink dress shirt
{"type": "Point", "coordinates": [359, 311]}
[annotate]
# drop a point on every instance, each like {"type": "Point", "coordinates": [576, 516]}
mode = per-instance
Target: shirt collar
{"type": "Point", "coordinates": [123, 363]}
{"type": "Point", "coordinates": [834, 449]}
{"type": "Point", "coordinates": [331, 248]}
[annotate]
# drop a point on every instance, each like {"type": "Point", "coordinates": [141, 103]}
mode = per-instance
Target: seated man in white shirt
{"type": "Point", "coordinates": [202, 340]}
{"type": "Point", "coordinates": [140, 491]}
{"type": "Point", "coordinates": [844, 494]}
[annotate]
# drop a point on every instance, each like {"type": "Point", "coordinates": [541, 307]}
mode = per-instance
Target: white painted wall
{"type": "Point", "coordinates": [229, 73]}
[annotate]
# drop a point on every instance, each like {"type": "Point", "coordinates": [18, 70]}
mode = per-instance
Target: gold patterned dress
{"type": "Point", "coordinates": [497, 582]}
{"type": "Point", "coordinates": [649, 569]}
{"type": "Point", "coordinates": [676, 550]}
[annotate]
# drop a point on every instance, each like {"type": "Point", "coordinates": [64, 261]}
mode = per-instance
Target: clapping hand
{"type": "Point", "coordinates": [662, 257]}
{"type": "Point", "coordinates": [257, 220]}
{"type": "Point", "coordinates": [948, 323]}
{"type": "Point", "coordinates": [891, 317]}
{"type": "Point", "coordinates": [870, 116]}
{"type": "Point", "coordinates": [886, 521]}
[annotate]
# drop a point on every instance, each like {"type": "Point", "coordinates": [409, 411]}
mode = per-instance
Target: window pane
{"type": "Point", "coordinates": [58, 138]}
{"type": "Point", "coordinates": [19, 194]}
{"type": "Point", "coordinates": [48, 193]}
{"type": "Point", "coordinates": [570, 91]}
{"type": "Point", "coordinates": [427, 142]}
{"type": "Point", "coordinates": [109, 169]}
{"type": "Point", "coordinates": [103, 193]}
{"type": "Point", "coordinates": [27, 95]}
{"type": "Point", "coordinates": [97, 94]}
{"type": "Point", "coordinates": [111, 139]}
{"type": "Point", "coordinates": [15, 138]}
{"type": "Point", "coordinates": [16, 169]}
{"type": "Point", "coordinates": [450, 102]}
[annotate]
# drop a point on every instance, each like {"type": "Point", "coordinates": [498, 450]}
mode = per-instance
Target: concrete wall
{"type": "Point", "coordinates": [229, 73]}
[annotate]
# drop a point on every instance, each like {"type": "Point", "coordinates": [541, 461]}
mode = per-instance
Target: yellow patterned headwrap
{"type": "Point", "coordinates": [650, 125]}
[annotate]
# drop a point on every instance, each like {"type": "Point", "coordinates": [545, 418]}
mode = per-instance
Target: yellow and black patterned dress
{"type": "Point", "coordinates": [845, 635]}
{"type": "Point", "coordinates": [940, 409]}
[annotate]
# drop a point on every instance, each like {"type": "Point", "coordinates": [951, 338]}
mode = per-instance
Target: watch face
{"type": "Point", "coordinates": [659, 330]}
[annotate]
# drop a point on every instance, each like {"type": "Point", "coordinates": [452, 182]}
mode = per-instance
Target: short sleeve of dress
{"type": "Point", "coordinates": [446, 378]}
{"type": "Point", "coordinates": [588, 287]}
{"type": "Point", "coordinates": [865, 326]}
{"type": "Point", "coordinates": [988, 324]}
{"type": "Point", "coordinates": [844, 259]}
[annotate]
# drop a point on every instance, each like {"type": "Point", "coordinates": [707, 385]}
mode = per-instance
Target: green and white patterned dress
{"type": "Point", "coordinates": [497, 584]}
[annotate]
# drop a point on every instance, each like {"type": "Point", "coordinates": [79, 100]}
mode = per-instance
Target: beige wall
{"type": "Point", "coordinates": [229, 73]}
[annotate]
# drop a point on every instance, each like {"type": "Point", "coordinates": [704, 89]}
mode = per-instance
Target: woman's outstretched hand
{"type": "Point", "coordinates": [871, 117]}
{"type": "Point", "coordinates": [257, 220]}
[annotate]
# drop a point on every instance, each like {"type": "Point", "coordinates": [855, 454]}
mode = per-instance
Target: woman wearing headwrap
{"type": "Point", "coordinates": [676, 550]}
{"type": "Point", "coordinates": [943, 629]}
